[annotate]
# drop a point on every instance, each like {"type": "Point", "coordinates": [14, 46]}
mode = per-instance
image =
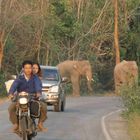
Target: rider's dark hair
{"type": "Point", "coordinates": [27, 62]}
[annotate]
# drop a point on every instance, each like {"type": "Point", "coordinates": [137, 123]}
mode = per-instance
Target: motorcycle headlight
{"type": "Point", "coordinates": [23, 101]}
{"type": "Point", "coordinates": [54, 89]}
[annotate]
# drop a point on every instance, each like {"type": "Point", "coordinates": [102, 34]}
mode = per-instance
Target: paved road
{"type": "Point", "coordinates": [80, 121]}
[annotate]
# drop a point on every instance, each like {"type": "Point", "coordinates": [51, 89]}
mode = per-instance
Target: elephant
{"type": "Point", "coordinates": [125, 74]}
{"type": "Point", "coordinates": [73, 70]}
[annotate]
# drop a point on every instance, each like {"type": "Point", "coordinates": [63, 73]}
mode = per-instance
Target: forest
{"type": "Point", "coordinates": [52, 31]}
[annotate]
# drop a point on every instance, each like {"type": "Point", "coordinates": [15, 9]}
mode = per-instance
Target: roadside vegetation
{"type": "Point", "coordinates": [131, 99]}
{"type": "Point", "coordinates": [51, 31]}
{"type": "Point", "coordinates": [3, 92]}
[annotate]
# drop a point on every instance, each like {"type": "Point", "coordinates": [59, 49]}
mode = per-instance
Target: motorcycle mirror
{"type": "Point", "coordinates": [13, 77]}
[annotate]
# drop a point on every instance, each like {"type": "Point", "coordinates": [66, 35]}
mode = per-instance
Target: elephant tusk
{"type": "Point", "coordinates": [92, 79]}
{"type": "Point", "coordinates": [87, 78]}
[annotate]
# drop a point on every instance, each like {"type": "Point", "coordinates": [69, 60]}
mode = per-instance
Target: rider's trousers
{"type": "Point", "coordinates": [13, 116]}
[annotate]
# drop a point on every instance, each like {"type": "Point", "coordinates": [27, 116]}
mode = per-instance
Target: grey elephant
{"type": "Point", "coordinates": [73, 70]}
{"type": "Point", "coordinates": [125, 74]}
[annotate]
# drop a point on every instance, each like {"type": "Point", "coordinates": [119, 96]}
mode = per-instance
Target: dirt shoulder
{"type": "Point", "coordinates": [3, 99]}
{"type": "Point", "coordinates": [134, 125]}
{"type": "Point", "coordinates": [117, 127]}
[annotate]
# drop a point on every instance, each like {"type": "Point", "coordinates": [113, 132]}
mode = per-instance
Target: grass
{"type": "Point", "coordinates": [134, 125]}
{"type": "Point", "coordinates": [131, 99]}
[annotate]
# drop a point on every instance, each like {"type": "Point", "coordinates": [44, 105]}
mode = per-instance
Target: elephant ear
{"type": "Point", "coordinates": [76, 68]}
{"type": "Point", "coordinates": [129, 67]}
{"type": "Point", "coordinates": [125, 66]}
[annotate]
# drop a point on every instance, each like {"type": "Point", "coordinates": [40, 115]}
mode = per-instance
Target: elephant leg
{"type": "Point", "coordinates": [75, 85]}
{"type": "Point", "coordinates": [118, 86]}
{"type": "Point", "coordinates": [89, 86]}
{"type": "Point", "coordinates": [117, 82]}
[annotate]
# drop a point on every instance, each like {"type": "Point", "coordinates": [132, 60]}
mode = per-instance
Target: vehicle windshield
{"type": "Point", "coordinates": [50, 74]}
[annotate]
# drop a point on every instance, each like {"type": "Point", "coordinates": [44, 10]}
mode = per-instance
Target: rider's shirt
{"type": "Point", "coordinates": [32, 85]}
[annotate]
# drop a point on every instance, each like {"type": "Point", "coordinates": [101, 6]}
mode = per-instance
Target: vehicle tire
{"type": "Point", "coordinates": [63, 104]}
{"type": "Point", "coordinates": [23, 125]}
{"type": "Point", "coordinates": [57, 108]}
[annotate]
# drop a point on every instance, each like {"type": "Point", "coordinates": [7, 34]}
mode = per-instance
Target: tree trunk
{"type": "Point", "coordinates": [1, 54]}
{"type": "Point", "coordinates": [116, 35]}
{"type": "Point", "coordinates": [47, 57]}
{"type": "Point", "coordinates": [1, 48]}
{"type": "Point", "coordinates": [79, 8]}
{"type": "Point", "coordinates": [125, 10]}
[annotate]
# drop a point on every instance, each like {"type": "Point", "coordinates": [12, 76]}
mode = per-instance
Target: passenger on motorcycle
{"type": "Point", "coordinates": [30, 83]}
{"type": "Point", "coordinates": [37, 70]}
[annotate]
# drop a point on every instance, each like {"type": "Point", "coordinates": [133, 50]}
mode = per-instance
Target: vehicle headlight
{"type": "Point", "coordinates": [23, 101]}
{"type": "Point", "coordinates": [54, 89]}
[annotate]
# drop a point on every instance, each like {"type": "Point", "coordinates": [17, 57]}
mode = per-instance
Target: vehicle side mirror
{"type": "Point", "coordinates": [64, 79]}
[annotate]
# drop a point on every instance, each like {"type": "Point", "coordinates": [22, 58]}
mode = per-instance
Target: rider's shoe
{"type": "Point", "coordinates": [41, 128]}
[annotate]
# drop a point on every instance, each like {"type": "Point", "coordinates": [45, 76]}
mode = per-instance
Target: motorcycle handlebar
{"type": "Point", "coordinates": [30, 95]}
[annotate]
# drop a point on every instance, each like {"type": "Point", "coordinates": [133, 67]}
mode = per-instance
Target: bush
{"type": "Point", "coordinates": [68, 89]}
{"type": "Point", "coordinates": [131, 98]}
{"type": "Point", "coordinates": [2, 85]}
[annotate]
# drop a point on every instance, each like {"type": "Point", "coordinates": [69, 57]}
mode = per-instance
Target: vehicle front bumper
{"type": "Point", "coordinates": [50, 98]}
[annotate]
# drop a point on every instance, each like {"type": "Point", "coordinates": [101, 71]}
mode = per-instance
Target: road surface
{"type": "Point", "coordinates": [81, 120]}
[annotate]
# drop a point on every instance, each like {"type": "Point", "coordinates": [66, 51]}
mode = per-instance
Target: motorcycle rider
{"type": "Point", "coordinates": [30, 83]}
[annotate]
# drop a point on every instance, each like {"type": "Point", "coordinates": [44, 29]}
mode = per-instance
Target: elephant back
{"type": "Point", "coordinates": [66, 68]}
{"type": "Point", "coordinates": [126, 72]}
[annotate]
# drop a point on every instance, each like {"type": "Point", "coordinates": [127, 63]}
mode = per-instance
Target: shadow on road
{"type": "Point", "coordinates": [47, 139]}
{"type": "Point", "coordinates": [66, 111]}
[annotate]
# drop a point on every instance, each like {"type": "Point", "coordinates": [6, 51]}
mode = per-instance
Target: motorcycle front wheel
{"type": "Point", "coordinates": [23, 125]}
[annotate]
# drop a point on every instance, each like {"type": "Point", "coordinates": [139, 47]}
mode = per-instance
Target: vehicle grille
{"type": "Point", "coordinates": [45, 89]}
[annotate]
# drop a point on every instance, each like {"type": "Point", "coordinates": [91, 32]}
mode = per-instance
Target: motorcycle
{"type": "Point", "coordinates": [28, 109]}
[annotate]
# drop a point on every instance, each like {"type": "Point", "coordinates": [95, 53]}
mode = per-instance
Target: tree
{"type": "Point", "coordinates": [116, 35]}
{"type": "Point", "coordinates": [1, 47]}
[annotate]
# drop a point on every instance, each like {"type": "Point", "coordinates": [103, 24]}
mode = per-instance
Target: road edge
{"type": "Point", "coordinates": [104, 128]}
{"type": "Point", "coordinates": [3, 100]}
